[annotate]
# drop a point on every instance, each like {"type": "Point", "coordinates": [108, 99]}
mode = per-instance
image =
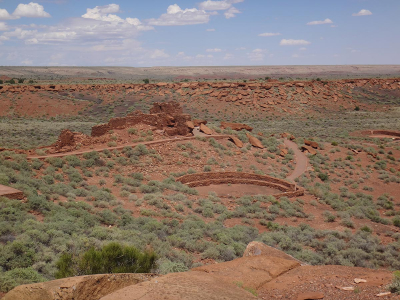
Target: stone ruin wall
{"type": "Point", "coordinates": [204, 179]}
{"type": "Point", "coordinates": [166, 116]}
{"type": "Point", "coordinates": [232, 175]}
{"type": "Point", "coordinates": [386, 132]}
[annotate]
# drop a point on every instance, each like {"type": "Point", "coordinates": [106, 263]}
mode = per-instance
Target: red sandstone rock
{"type": "Point", "coordinates": [236, 126]}
{"type": "Point", "coordinates": [308, 149]}
{"type": "Point", "coordinates": [236, 141]}
{"type": "Point", "coordinates": [311, 143]}
{"type": "Point", "coordinates": [205, 129]}
{"type": "Point", "coordinates": [198, 122]}
{"type": "Point", "coordinates": [255, 142]}
{"type": "Point", "coordinates": [190, 125]}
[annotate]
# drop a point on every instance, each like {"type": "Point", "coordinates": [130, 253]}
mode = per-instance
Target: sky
{"type": "Point", "coordinates": [198, 33]}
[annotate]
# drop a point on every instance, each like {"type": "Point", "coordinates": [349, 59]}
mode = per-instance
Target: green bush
{"type": "Point", "coordinates": [112, 258]}
{"type": "Point", "coordinates": [4, 179]}
{"type": "Point", "coordinates": [323, 176]}
{"type": "Point", "coordinates": [18, 276]}
{"type": "Point", "coordinates": [394, 287]}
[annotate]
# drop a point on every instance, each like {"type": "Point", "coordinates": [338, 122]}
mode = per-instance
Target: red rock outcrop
{"type": "Point", "coordinates": [236, 141]}
{"type": "Point", "coordinates": [205, 129]}
{"type": "Point", "coordinates": [236, 126]}
{"type": "Point", "coordinates": [311, 143]}
{"type": "Point", "coordinates": [198, 122]}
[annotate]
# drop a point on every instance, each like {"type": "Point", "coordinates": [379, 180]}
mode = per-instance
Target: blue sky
{"type": "Point", "coordinates": [199, 33]}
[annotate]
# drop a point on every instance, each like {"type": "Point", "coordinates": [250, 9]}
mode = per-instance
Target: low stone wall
{"type": "Point", "coordinates": [232, 175]}
{"type": "Point", "coordinates": [387, 132]}
{"type": "Point", "coordinates": [204, 179]}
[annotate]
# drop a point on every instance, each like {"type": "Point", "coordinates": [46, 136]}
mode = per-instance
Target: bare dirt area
{"type": "Point", "coordinates": [236, 190]}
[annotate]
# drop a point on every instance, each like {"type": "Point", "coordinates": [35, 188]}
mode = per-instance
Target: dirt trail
{"type": "Point", "coordinates": [301, 161]}
{"type": "Point", "coordinates": [176, 139]}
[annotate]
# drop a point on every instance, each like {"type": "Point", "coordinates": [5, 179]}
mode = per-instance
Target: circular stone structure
{"type": "Point", "coordinates": [286, 189]}
{"type": "Point", "coordinates": [387, 134]}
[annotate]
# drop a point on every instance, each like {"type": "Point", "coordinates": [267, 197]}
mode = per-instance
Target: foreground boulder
{"type": "Point", "coordinates": [180, 286]}
{"type": "Point", "coordinates": [252, 271]}
{"type": "Point", "coordinates": [91, 287]}
{"type": "Point", "coordinates": [260, 249]}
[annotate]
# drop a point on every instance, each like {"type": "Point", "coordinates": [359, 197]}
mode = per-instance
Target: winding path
{"type": "Point", "coordinates": [300, 157]}
{"type": "Point", "coordinates": [301, 161]}
{"type": "Point", "coordinates": [163, 141]}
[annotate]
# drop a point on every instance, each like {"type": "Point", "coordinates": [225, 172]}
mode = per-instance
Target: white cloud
{"type": "Point", "coordinates": [3, 38]}
{"type": "Point", "coordinates": [334, 26]}
{"type": "Point", "coordinates": [103, 13]}
{"type": "Point", "coordinates": [363, 12]}
{"type": "Point", "coordinates": [176, 16]}
{"type": "Point", "coordinates": [303, 49]}
{"type": "Point", "coordinates": [3, 26]}
{"type": "Point", "coordinates": [218, 5]}
{"type": "Point", "coordinates": [31, 10]}
{"type": "Point", "coordinates": [231, 13]}
{"type": "Point", "coordinates": [200, 56]}
{"type": "Point", "coordinates": [27, 62]}
{"type": "Point", "coordinates": [210, 56]}
{"type": "Point", "coordinates": [290, 42]}
{"type": "Point", "coordinates": [257, 54]}
{"type": "Point", "coordinates": [241, 48]}
{"type": "Point", "coordinates": [295, 56]}
{"type": "Point", "coordinates": [210, 30]}
{"type": "Point", "coordinates": [326, 21]}
{"type": "Point", "coordinates": [4, 15]}
{"type": "Point", "coordinates": [214, 5]}
{"type": "Point", "coordinates": [214, 50]}
{"type": "Point", "coordinates": [229, 56]}
{"type": "Point", "coordinates": [269, 34]}
{"type": "Point", "coordinates": [158, 54]}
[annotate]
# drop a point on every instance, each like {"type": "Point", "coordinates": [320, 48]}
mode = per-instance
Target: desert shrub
{"type": "Point", "coordinates": [323, 176]}
{"type": "Point", "coordinates": [140, 150]}
{"type": "Point", "coordinates": [55, 162]}
{"type": "Point", "coordinates": [132, 131]}
{"type": "Point", "coordinates": [394, 287]}
{"type": "Point", "coordinates": [17, 254]}
{"type": "Point", "coordinates": [112, 258]}
{"type": "Point", "coordinates": [37, 164]}
{"type": "Point", "coordinates": [39, 203]}
{"type": "Point", "coordinates": [73, 160]}
{"type": "Point", "coordinates": [18, 276]}
{"type": "Point", "coordinates": [166, 266]}
{"type": "Point", "coordinates": [4, 179]}
{"type": "Point", "coordinates": [207, 168]}
{"type": "Point", "coordinates": [396, 222]}
{"type": "Point", "coordinates": [366, 229]}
